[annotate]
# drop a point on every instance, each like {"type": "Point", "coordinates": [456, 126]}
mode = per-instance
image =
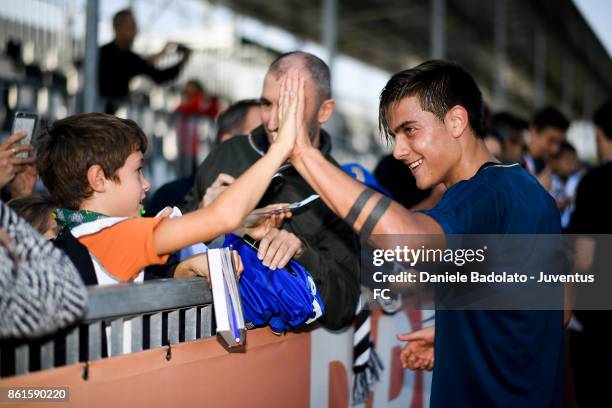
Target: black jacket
{"type": "Point", "coordinates": [330, 246]}
{"type": "Point", "coordinates": [592, 212]}
{"type": "Point", "coordinates": [117, 67]}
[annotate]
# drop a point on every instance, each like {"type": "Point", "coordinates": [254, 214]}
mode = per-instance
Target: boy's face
{"type": "Point", "coordinates": [422, 142]}
{"type": "Point", "coordinates": [125, 196]}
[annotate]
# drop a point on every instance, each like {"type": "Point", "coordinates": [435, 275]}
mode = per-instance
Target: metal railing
{"type": "Point", "coordinates": [120, 319]}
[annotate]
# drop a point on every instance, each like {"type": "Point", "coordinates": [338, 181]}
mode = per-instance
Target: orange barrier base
{"type": "Point", "coordinates": [274, 371]}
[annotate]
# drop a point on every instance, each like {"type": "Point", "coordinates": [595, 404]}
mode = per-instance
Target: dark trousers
{"type": "Point", "coordinates": [591, 357]}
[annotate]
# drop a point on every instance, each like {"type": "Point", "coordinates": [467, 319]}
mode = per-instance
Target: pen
{"type": "Point", "coordinates": [255, 245]}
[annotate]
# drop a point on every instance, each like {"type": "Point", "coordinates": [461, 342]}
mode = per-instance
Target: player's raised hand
{"type": "Point", "coordinates": [290, 109]}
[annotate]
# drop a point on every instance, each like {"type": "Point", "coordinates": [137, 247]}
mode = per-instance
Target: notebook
{"type": "Point", "coordinates": [231, 330]}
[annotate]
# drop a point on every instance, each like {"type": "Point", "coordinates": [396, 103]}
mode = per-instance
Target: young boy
{"type": "Point", "coordinates": [92, 166]}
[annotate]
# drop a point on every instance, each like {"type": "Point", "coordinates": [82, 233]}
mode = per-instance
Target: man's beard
{"type": "Point", "coordinates": [313, 130]}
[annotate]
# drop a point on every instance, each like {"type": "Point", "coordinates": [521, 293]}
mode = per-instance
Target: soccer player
{"type": "Point", "coordinates": [433, 115]}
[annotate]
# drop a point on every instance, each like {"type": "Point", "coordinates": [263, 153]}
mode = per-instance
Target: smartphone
{"type": "Point", "coordinates": [24, 121]}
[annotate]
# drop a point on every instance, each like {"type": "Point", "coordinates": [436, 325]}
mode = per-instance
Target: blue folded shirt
{"type": "Point", "coordinates": [283, 298]}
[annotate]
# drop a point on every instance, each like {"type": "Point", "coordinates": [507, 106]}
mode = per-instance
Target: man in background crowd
{"type": "Point", "coordinates": [512, 131]}
{"type": "Point", "coordinates": [546, 133]}
{"type": "Point", "coordinates": [118, 64]}
{"type": "Point", "coordinates": [590, 346]}
{"type": "Point", "coordinates": [566, 175]}
{"type": "Point", "coordinates": [196, 107]}
{"type": "Point", "coordinates": [238, 119]}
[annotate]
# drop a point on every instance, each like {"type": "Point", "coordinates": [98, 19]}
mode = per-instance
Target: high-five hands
{"type": "Point", "coordinates": [290, 110]}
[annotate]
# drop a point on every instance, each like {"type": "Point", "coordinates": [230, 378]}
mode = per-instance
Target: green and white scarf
{"type": "Point", "coordinates": [69, 219]}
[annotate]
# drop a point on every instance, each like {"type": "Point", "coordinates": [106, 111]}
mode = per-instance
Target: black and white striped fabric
{"type": "Point", "coordinates": [367, 366]}
{"type": "Point", "coordinates": [40, 289]}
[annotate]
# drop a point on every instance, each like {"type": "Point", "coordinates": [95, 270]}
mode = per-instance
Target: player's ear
{"type": "Point", "coordinates": [457, 120]}
{"type": "Point", "coordinates": [326, 110]}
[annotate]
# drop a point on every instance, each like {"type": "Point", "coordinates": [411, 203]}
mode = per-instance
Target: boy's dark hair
{"type": "Point", "coordinates": [603, 119]}
{"type": "Point", "coordinates": [438, 85]}
{"type": "Point", "coordinates": [35, 209]}
{"type": "Point", "coordinates": [232, 119]}
{"type": "Point", "coordinates": [68, 148]}
{"type": "Point", "coordinates": [549, 117]}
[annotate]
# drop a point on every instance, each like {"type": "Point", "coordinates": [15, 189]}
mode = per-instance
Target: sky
{"type": "Point", "coordinates": [598, 13]}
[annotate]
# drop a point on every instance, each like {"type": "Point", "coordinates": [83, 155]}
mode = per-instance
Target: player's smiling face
{"type": "Point", "coordinates": [422, 142]}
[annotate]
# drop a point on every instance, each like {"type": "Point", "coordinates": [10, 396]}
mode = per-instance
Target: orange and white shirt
{"type": "Point", "coordinates": [120, 247]}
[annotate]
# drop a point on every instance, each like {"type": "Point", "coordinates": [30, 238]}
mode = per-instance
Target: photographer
{"type": "Point", "coordinates": [118, 64]}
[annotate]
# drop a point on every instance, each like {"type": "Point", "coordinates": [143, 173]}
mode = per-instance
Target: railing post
{"type": "Point", "coordinates": [94, 351]}
{"type": "Point", "coordinates": [22, 359]}
{"type": "Point", "coordinates": [136, 334]}
{"type": "Point", "coordinates": [90, 89]}
{"type": "Point", "coordinates": [117, 337]}
{"type": "Point", "coordinates": [173, 327]}
{"type": "Point", "coordinates": [205, 321]}
{"type": "Point", "coordinates": [72, 346]}
{"type": "Point", "coordinates": [47, 354]}
{"type": "Point", "coordinates": [155, 328]}
{"type": "Point", "coordinates": [190, 324]}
